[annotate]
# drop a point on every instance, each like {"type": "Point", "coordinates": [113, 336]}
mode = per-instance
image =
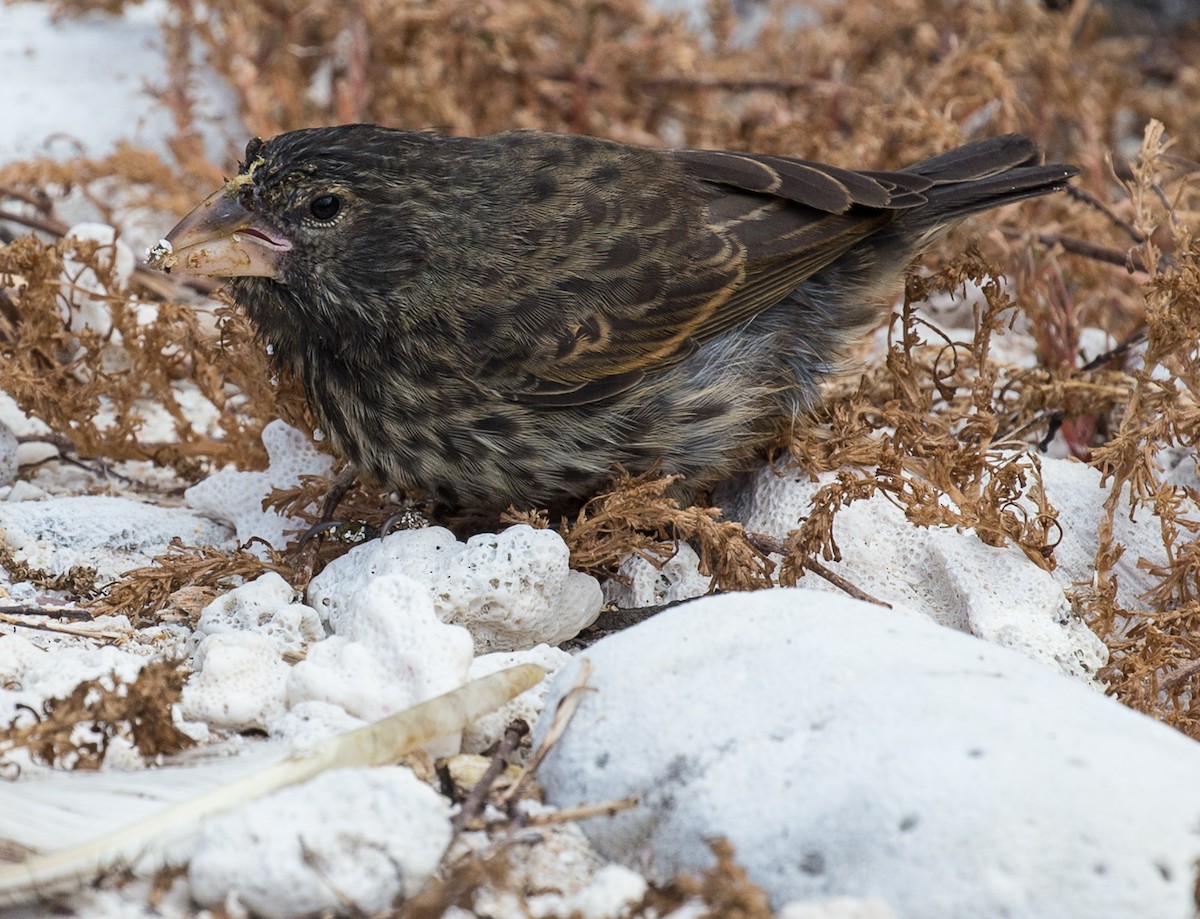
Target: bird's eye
{"type": "Point", "coordinates": [325, 207]}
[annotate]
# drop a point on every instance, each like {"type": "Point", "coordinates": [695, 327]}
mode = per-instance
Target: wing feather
{"type": "Point", "coordinates": [742, 233]}
{"type": "Point", "coordinates": [736, 233]}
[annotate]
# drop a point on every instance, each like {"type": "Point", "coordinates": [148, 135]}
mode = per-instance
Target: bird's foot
{"type": "Point", "coordinates": [411, 515]}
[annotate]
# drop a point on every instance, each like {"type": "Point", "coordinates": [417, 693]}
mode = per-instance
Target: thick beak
{"type": "Point", "coordinates": [222, 239]}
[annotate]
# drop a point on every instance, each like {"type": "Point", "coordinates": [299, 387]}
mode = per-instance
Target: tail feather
{"type": "Point", "coordinates": [979, 177]}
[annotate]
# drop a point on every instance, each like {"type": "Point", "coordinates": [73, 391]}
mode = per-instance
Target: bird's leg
{"type": "Point", "coordinates": [342, 484]}
{"type": "Point", "coordinates": [308, 546]}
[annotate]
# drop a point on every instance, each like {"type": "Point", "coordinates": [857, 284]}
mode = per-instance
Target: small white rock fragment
{"type": "Point", "coordinates": [515, 589]}
{"type": "Point", "coordinates": [237, 497]}
{"type": "Point", "coordinates": [510, 590]}
{"type": "Point", "coordinates": [390, 651]}
{"type": "Point", "coordinates": [14, 416]}
{"type": "Point", "coordinates": [559, 867]}
{"type": "Point", "coordinates": [239, 683]}
{"type": "Point", "coordinates": [614, 892]}
{"type": "Point", "coordinates": [642, 583]}
{"type": "Point", "coordinates": [159, 255]}
{"type": "Point", "coordinates": [353, 840]}
{"type": "Point", "coordinates": [267, 607]}
{"type": "Point", "coordinates": [36, 452]}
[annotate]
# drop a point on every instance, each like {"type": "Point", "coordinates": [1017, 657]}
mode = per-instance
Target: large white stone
{"type": "Point", "coordinates": [849, 751]}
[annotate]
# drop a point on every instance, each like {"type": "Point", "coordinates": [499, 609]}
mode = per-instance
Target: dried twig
{"type": "Point", "coordinates": [567, 707]}
{"type": "Point", "coordinates": [1129, 260]}
{"type": "Point", "coordinates": [582, 812]}
{"type": "Point", "coordinates": [47, 610]}
{"type": "Point", "coordinates": [1082, 194]}
{"type": "Point", "coordinates": [1177, 677]}
{"type": "Point", "coordinates": [62, 628]}
{"type": "Point", "coordinates": [773, 546]}
{"type": "Point", "coordinates": [473, 803]}
{"type": "Point", "coordinates": [44, 224]}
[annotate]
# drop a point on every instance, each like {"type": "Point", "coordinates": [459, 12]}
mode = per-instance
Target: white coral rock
{"type": "Point", "coordinates": [511, 590]}
{"type": "Point", "coordinates": [237, 497]}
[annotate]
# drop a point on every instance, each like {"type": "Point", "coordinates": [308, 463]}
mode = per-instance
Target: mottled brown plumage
{"type": "Point", "coordinates": [504, 319]}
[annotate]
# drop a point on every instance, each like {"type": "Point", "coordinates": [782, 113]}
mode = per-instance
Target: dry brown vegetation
{"type": "Point", "coordinates": [77, 731]}
{"type": "Point", "coordinates": [875, 83]}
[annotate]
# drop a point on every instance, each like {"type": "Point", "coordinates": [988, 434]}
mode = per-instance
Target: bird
{"type": "Point", "coordinates": [507, 320]}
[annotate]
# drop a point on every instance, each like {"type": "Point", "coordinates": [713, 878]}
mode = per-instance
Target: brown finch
{"type": "Point", "coordinates": [504, 320]}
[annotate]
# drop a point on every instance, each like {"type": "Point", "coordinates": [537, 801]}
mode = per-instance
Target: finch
{"type": "Point", "coordinates": [504, 320]}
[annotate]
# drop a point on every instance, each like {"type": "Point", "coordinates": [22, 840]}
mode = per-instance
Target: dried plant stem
{"type": "Point", "coordinates": [582, 812]}
{"type": "Point", "coordinates": [44, 224]}
{"type": "Point", "coordinates": [1129, 260]}
{"type": "Point", "coordinates": [1082, 194]}
{"type": "Point", "coordinates": [61, 628]}
{"type": "Point", "coordinates": [567, 706]}
{"type": "Point", "coordinates": [473, 803]}
{"type": "Point", "coordinates": [773, 546]}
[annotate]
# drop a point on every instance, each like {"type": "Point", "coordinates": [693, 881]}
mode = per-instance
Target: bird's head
{"type": "Point", "coordinates": [321, 212]}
